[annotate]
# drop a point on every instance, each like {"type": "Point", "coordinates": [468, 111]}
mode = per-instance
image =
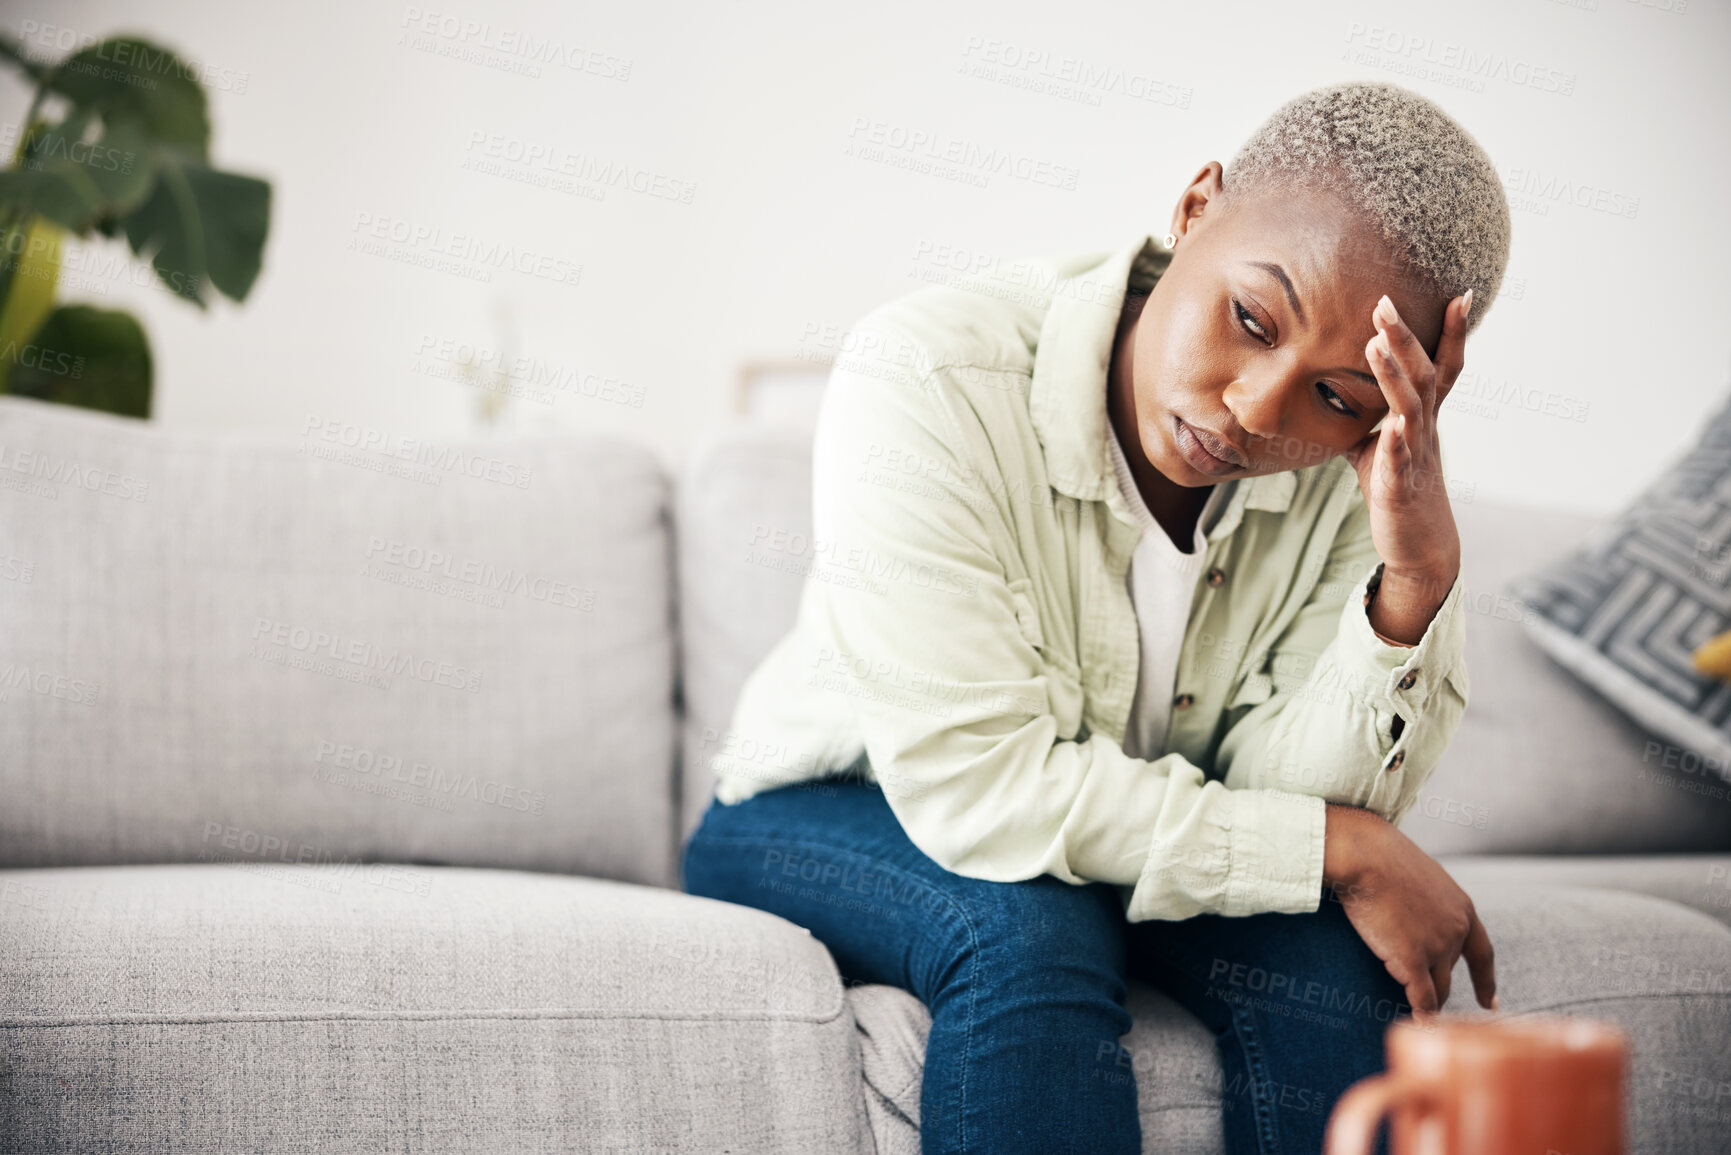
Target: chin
{"type": "Point", "coordinates": [1180, 472]}
{"type": "Point", "coordinates": [1171, 464]}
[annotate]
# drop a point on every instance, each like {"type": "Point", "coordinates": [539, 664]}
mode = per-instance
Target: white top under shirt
{"type": "Point", "coordinates": [1162, 583]}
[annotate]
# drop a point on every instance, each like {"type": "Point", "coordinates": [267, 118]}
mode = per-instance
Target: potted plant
{"type": "Point", "coordinates": [116, 141]}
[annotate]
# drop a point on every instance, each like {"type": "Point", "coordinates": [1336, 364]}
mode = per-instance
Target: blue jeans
{"type": "Point", "coordinates": [1025, 981]}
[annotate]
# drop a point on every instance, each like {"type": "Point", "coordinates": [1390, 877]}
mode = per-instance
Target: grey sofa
{"type": "Point", "coordinates": [343, 781]}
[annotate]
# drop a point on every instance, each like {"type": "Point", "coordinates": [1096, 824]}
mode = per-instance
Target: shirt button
{"type": "Point", "coordinates": [1216, 576]}
{"type": "Point", "coordinates": [1406, 682]}
{"type": "Point", "coordinates": [1394, 763]}
{"type": "Point", "coordinates": [1183, 701]}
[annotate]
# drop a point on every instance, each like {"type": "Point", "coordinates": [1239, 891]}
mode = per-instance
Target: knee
{"type": "Point", "coordinates": [1323, 963]}
{"type": "Point", "coordinates": [1328, 940]}
{"type": "Point", "coordinates": [1050, 933]}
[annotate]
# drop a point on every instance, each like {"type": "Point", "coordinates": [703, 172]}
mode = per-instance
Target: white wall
{"type": "Point", "coordinates": [753, 106]}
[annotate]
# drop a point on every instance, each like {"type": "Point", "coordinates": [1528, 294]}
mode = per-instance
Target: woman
{"type": "Point", "coordinates": [1136, 626]}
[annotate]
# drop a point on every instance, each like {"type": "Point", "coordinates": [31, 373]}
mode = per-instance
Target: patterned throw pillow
{"type": "Point", "coordinates": [1626, 611]}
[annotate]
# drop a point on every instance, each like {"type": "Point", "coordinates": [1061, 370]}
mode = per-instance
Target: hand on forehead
{"type": "Point", "coordinates": [1328, 265]}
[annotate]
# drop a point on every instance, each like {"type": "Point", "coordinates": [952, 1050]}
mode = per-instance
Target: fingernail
{"type": "Point", "coordinates": [1496, 1002]}
{"type": "Point", "coordinates": [1466, 304]}
{"type": "Point", "coordinates": [1387, 309]}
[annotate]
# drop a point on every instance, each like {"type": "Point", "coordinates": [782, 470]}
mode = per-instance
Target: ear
{"type": "Point", "coordinates": [1203, 190]}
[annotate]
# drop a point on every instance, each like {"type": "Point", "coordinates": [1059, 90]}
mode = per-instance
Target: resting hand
{"type": "Point", "coordinates": [1407, 909]}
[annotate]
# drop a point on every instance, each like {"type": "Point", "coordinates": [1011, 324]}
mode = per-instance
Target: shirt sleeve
{"type": "Point", "coordinates": [955, 709]}
{"type": "Point", "coordinates": [1353, 719]}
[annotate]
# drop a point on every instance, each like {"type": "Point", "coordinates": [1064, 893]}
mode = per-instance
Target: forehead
{"type": "Point", "coordinates": [1322, 243]}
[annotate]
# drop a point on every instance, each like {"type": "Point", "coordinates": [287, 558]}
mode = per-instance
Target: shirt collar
{"type": "Point", "coordinates": [1067, 400]}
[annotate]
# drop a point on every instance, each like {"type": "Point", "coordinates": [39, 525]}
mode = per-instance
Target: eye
{"type": "Point", "coordinates": [1334, 400]}
{"type": "Point", "coordinates": [1245, 321]}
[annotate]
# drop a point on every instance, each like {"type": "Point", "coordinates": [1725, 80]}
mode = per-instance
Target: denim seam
{"type": "Point", "coordinates": [961, 913]}
{"type": "Point", "coordinates": [1243, 1022]}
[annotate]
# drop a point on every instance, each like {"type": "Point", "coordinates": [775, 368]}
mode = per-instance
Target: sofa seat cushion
{"type": "Point", "coordinates": [1660, 971]}
{"type": "Point", "coordinates": [892, 1026]}
{"type": "Point", "coordinates": [206, 1007]}
{"type": "Point", "coordinates": [1170, 1055]}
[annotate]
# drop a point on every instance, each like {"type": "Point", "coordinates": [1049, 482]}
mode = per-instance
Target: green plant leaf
{"type": "Point", "coordinates": [166, 228]}
{"type": "Point", "coordinates": [73, 181]}
{"type": "Point", "coordinates": [73, 127]}
{"type": "Point", "coordinates": [200, 224]}
{"type": "Point", "coordinates": [133, 79]}
{"type": "Point", "coordinates": [65, 196]}
{"type": "Point", "coordinates": [235, 212]}
{"type": "Point", "coordinates": [94, 358]}
{"type": "Point", "coordinates": [124, 172]}
{"type": "Point", "coordinates": [117, 162]}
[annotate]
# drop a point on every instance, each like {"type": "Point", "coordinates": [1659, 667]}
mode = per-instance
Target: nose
{"type": "Point", "coordinates": [1256, 405]}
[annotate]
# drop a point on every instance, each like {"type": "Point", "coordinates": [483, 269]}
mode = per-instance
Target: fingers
{"type": "Point", "coordinates": [1441, 977]}
{"type": "Point", "coordinates": [1402, 341]}
{"type": "Point", "coordinates": [1399, 451]}
{"type": "Point", "coordinates": [1397, 384]}
{"type": "Point", "coordinates": [1421, 994]}
{"type": "Point", "coordinates": [1451, 353]}
{"type": "Point", "coordinates": [1404, 347]}
{"type": "Point", "coordinates": [1391, 454]}
{"type": "Point", "coordinates": [1481, 962]}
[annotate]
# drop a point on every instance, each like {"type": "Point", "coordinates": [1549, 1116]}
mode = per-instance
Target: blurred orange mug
{"type": "Point", "coordinates": [1536, 1085]}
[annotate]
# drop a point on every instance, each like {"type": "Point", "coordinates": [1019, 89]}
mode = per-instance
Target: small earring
{"type": "Point", "coordinates": [1171, 241]}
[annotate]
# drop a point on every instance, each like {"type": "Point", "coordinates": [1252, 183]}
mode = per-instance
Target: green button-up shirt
{"type": "Point", "coordinates": [966, 624]}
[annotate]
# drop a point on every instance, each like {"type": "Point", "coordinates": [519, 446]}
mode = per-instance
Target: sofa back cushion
{"type": "Point", "coordinates": [743, 526]}
{"type": "Point", "coordinates": [1632, 611]}
{"type": "Point", "coordinates": [342, 645]}
{"type": "Point", "coordinates": [1541, 764]}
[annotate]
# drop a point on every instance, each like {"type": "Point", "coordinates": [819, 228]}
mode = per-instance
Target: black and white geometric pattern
{"type": "Point", "coordinates": [1627, 610]}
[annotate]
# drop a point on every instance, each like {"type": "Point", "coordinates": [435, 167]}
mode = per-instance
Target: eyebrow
{"type": "Point", "coordinates": [1285, 283]}
{"type": "Point", "coordinates": [1279, 274]}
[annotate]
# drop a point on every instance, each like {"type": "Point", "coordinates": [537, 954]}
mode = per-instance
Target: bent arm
{"type": "Point", "coordinates": [1354, 719]}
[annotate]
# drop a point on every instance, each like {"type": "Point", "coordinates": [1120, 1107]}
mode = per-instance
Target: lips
{"type": "Point", "coordinates": [1215, 446]}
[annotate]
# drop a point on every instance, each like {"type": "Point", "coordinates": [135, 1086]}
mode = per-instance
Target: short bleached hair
{"type": "Point", "coordinates": [1405, 167]}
